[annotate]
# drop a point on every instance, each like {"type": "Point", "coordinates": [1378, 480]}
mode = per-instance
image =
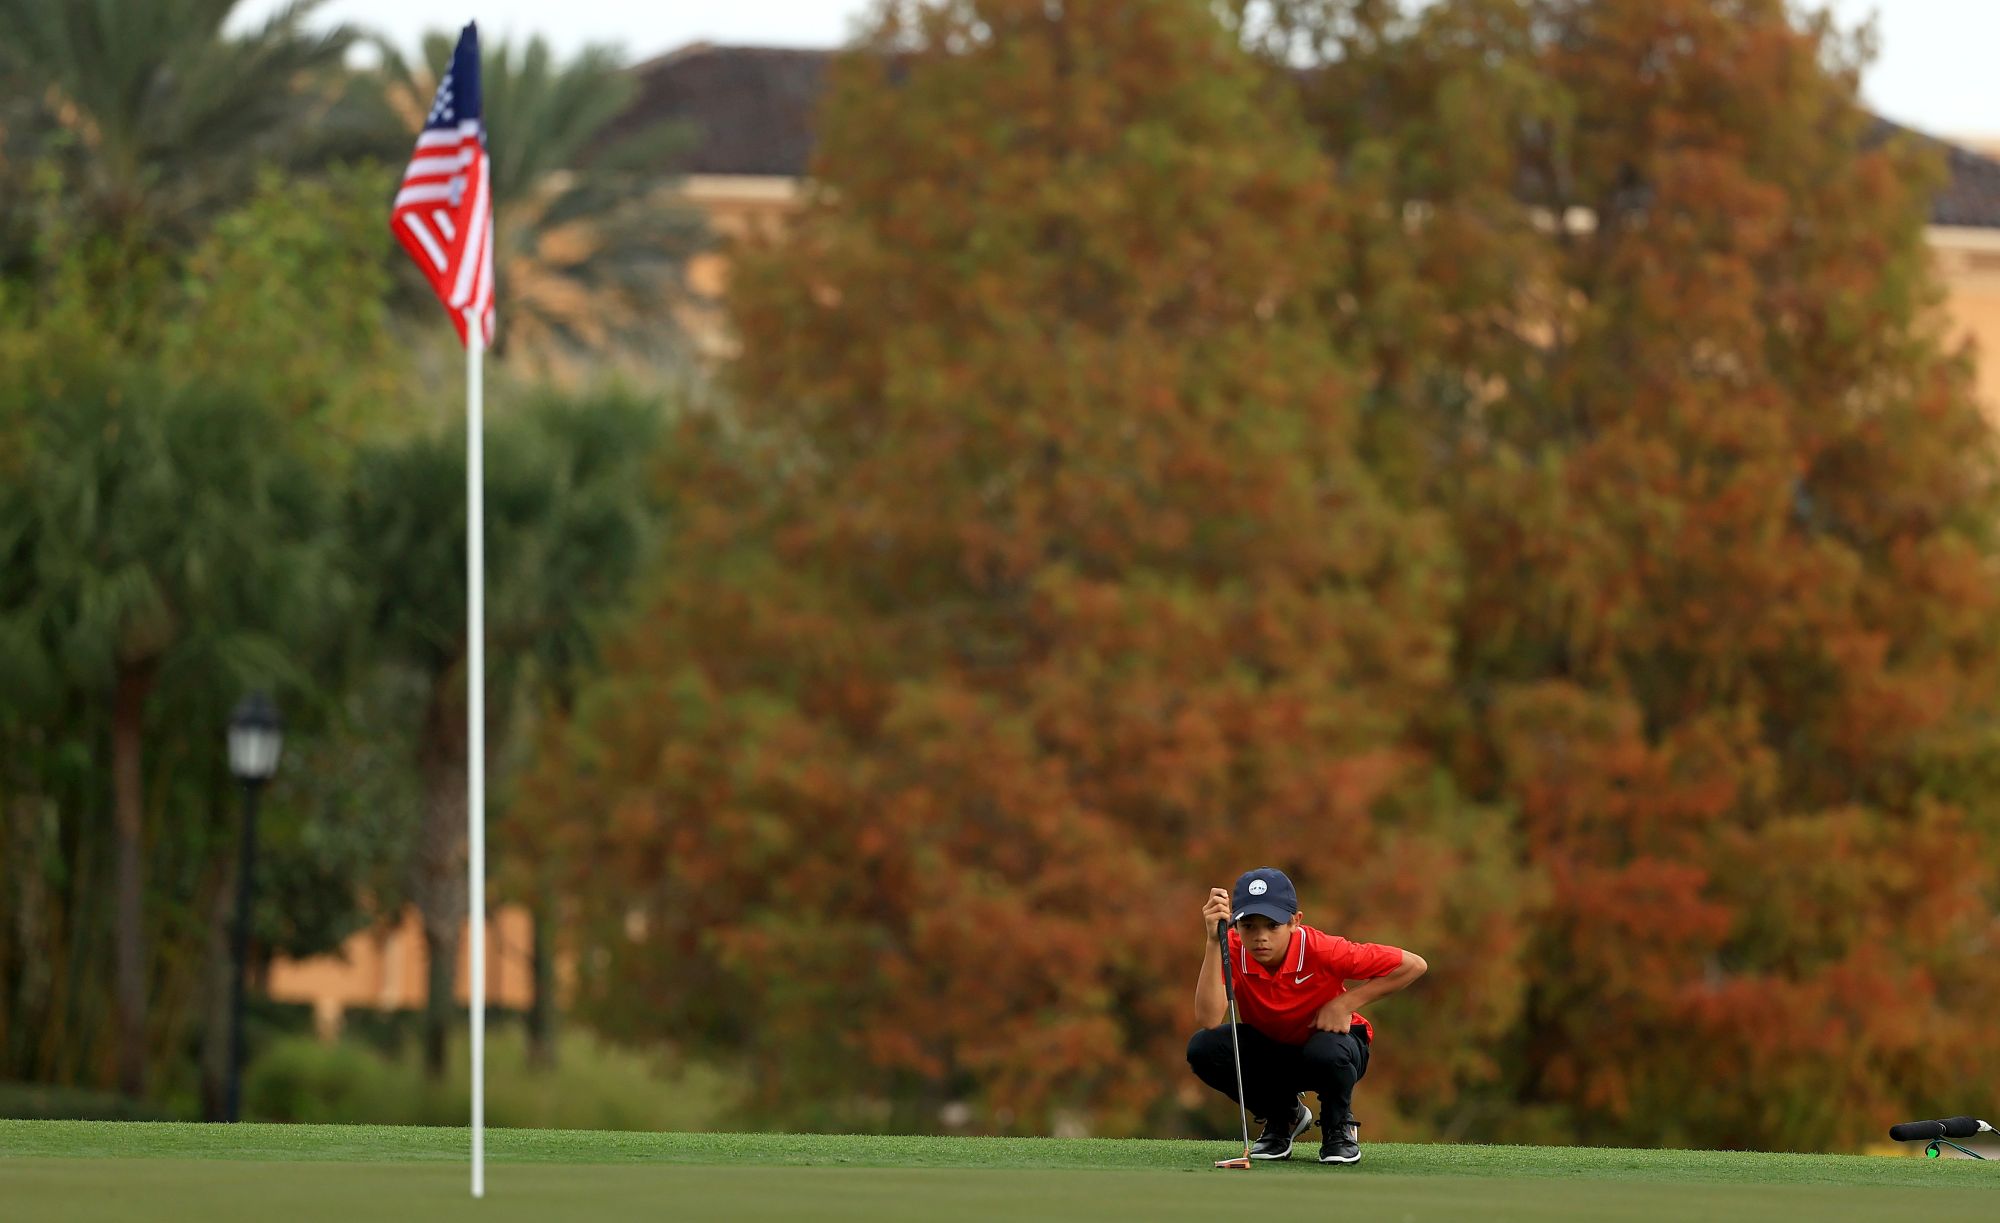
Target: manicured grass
{"type": "Point", "coordinates": [109, 1170]}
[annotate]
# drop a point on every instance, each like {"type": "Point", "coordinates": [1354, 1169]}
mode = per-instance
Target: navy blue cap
{"type": "Point", "coordinates": [1264, 891]}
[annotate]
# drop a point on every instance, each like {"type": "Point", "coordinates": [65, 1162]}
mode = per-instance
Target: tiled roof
{"type": "Point", "coordinates": [1971, 195]}
{"type": "Point", "coordinates": [750, 111]}
{"type": "Point", "coordinates": [749, 108]}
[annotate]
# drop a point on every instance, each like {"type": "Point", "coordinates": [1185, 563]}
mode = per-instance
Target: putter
{"type": "Point", "coordinates": [1940, 1134]}
{"type": "Point", "coordinates": [1235, 1048]}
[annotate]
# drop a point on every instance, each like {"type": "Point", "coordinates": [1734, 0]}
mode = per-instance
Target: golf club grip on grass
{"type": "Point", "coordinates": [1950, 1127]}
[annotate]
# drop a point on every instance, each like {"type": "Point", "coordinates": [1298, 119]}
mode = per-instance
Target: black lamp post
{"type": "Point", "coordinates": [256, 736]}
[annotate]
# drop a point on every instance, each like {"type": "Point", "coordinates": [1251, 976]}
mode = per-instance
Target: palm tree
{"type": "Point", "coordinates": [582, 542]}
{"type": "Point", "coordinates": [568, 515]}
{"type": "Point", "coordinates": [160, 541]}
{"type": "Point", "coordinates": [19, 148]}
{"type": "Point", "coordinates": [588, 241]}
{"type": "Point", "coordinates": [159, 118]}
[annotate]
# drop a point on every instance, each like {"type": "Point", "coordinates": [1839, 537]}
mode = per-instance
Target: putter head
{"type": "Point", "coordinates": [1241, 1161]}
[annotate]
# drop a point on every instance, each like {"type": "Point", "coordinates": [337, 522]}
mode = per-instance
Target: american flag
{"type": "Point", "coordinates": [443, 214]}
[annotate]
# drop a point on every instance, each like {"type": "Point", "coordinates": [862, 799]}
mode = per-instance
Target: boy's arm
{"type": "Point", "coordinates": [1365, 992]}
{"type": "Point", "coordinates": [1211, 1005]}
{"type": "Point", "coordinates": [1338, 1014]}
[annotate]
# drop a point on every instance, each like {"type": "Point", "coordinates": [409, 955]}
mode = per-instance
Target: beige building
{"type": "Point", "coordinates": [1965, 233]}
{"type": "Point", "coordinates": [1970, 262]}
{"type": "Point", "coordinates": [386, 967]}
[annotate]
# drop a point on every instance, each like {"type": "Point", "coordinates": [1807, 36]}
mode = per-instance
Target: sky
{"type": "Point", "coordinates": [1935, 71]}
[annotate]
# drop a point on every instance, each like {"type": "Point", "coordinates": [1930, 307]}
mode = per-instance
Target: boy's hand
{"type": "Point", "coordinates": [1335, 1016]}
{"type": "Point", "coordinates": [1217, 909]}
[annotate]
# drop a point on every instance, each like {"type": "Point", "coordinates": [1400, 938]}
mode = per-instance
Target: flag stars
{"type": "Point", "coordinates": [442, 106]}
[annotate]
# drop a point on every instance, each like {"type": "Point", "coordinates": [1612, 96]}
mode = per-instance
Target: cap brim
{"type": "Point", "coordinates": [1263, 908]}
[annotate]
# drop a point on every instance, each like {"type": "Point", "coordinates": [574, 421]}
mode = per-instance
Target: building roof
{"type": "Point", "coordinates": [749, 111]}
{"type": "Point", "coordinates": [1971, 194]}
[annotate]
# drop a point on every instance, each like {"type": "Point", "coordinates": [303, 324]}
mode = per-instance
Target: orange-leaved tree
{"type": "Point", "coordinates": [1726, 506]}
{"type": "Point", "coordinates": [1036, 587]}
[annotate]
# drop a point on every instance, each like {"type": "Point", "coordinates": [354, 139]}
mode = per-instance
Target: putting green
{"type": "Point", "coordinates": [90, 1171]}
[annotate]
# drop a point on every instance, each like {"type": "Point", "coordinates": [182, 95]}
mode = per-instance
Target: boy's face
{"type": "Point", "coordinates": [1265, 939]}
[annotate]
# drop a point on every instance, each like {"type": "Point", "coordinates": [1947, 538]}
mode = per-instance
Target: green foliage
{"type": "Point", "coordinates": [204, 394]}
{"type": "Point", "coordinates": [167, 544]}
{"type": "Point", "coordinates": [287, 298]}
{"type": "Point", "coordinates": [301, 1079]}
{"type": "Point", "coordinates": [569, 517]}
{"type": "Point", "coordinates": [165, 549]}
{"type": "Point", "coordinates": [158, 119]}
{"type": "Point", "coordinates": [38, 1101]}
{"type": "Point", "coordinates": [594, 1087]}
{"type": "Point", "coordinates": [166, 524]}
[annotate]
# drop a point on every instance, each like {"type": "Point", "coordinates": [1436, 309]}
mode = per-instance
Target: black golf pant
{"type": "Point", "coordinates": [1329, 1063]}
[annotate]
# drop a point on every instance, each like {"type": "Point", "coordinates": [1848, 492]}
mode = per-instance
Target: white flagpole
{"type": "Point", "coordinates": [475, 755]}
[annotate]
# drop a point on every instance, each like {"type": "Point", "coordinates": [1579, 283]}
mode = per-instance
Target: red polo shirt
{"type": "Point", "coordinates": [1315, 970]}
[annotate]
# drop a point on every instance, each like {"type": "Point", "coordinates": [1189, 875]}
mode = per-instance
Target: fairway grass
{"type": "Point", "coordinates": [89, 1171]}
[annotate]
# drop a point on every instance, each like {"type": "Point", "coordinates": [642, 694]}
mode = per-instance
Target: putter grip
{"type": "Point", "coordinates": [1920, 1131]}
{"type": "Point", "coordinates": [1228, 973]}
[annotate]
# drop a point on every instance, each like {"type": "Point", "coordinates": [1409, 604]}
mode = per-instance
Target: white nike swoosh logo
{"type": "Point", "coordinates": [1302, 980]}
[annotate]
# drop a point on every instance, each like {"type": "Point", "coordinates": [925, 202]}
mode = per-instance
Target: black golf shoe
{"type": "Point", "coordinates": [1276, 1140]}
{"type": "Point", "coordinates": [1340, 1142]}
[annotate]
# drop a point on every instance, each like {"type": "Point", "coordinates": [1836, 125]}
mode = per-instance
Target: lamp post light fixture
{"type": "Point", "coordinates": [256, 737]}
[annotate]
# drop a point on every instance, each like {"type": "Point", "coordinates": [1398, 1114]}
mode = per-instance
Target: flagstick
{"type": "Point", "coordinates": [475, 756]}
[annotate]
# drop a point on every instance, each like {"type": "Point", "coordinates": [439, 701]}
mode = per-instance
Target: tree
{"type": "Point", "coordinates": [158, 117]}
{"type": "Point", "coordinates": [568, 521]}
{"type": "Point", "coordinates": [1040, 590]}
{"type": "Point", "coordinates": [287, 297]}
{"type": "Point", "coordinates": [1664, 344]}
{"type": "Point", "coordinates": [169, 455]}
{"type": "Point", "coordinates": [164, 538]}
{"type": "Point", "coordinates": [594, 524]}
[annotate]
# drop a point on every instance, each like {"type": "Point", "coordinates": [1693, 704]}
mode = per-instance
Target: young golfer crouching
{"type": "Point", "coordinates": [1298, 1030]}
